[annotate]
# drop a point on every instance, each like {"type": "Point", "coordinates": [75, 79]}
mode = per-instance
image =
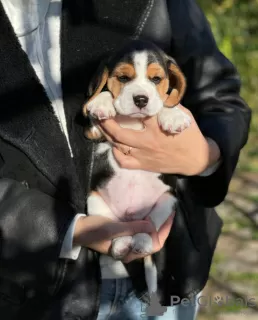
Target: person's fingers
{"type": "Point", "coordinates": [165, 229]}
{"type": "Point", "coordinates": [121, 229]}
{"type": "Point", "coordinates": [151, 122]}
{"type": "Point", "coordinates": [102, 240]}
{"type": "Point", "coordinates": [96, 229]}
{"type": "Point", "coordinates": [126, 161]}
{"type": "Point", "coordinates": [100, 246]}
{"type": "Point", "coordinates": [107, 136]}
{"type": "Point", "coordinates": [126, 150]}
{"type": "Point", "coordinates": [128, 137]}
{"type": "Point", "coordinates": [158, 239]}
{"type": "Point", "coordinates": [133, 256]}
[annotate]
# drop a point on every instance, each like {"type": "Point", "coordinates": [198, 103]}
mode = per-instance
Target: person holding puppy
{"type": "Point", "coordinates": [49, 253]}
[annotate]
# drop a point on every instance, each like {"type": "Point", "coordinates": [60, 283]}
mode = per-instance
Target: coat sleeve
{"type": "Point", "coordinates": [213, 96]}
{"type": "Point", "coordinates": [32, 228]}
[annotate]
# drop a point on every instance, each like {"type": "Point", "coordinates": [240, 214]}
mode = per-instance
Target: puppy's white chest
{"type": "Point", "coordinates": [131, 194]}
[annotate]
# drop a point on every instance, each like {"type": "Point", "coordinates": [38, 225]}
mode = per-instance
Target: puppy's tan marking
{"type": "Point", "coordinates": [122, 70]}
{"type": "Point", "coordinates": [155, 70]}
{"type": "Point", "coordinates": [93, 133]}
{"type": "Point", "coordinates": [114, 86]}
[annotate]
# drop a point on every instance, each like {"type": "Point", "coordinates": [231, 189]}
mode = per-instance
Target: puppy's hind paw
{"type": "Point", "coordinates": [121, 247]}
{"type": "Point", "coordinates": [142, 243]}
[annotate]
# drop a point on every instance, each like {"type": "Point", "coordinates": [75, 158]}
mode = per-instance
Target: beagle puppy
{"type": "Point", "coordinates": [138, 81]}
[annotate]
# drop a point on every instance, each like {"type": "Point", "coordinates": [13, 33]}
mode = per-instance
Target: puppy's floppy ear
{"type": "Point", "coordinates": [98, 82]}
{"type": "Point", "coordinates": [177, 83]}
{"type": "Point", "coordinates": [96, 85]}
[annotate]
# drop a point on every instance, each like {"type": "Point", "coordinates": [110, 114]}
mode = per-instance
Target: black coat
{"type": "Point", "coordinates": [34, 282]}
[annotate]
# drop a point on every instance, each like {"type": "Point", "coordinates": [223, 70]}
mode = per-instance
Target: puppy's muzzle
{"type": "Point", "coordinates": [140, 101]}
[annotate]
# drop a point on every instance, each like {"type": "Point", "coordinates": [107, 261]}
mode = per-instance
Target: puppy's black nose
{"type": "Point", "coordinates": [140, 101]}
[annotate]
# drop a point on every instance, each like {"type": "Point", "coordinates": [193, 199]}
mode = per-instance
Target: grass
{"type": "Point", "coordinates": [242, 276]}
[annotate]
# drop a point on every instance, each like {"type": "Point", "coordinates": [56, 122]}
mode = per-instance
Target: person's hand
{"type": "Point", "coordinates": [96, 232]}
{"type": "Point", "coordinates": [158, 239]}
{"type": "Point", "coordinates": [187, 153]}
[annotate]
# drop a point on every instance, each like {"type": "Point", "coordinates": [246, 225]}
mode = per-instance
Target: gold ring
{"type": "Point", "coordinates": [128, 153]}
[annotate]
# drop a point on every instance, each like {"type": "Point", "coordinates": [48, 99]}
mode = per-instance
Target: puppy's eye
{"type": "Point", "coordinates": [155, 80]}
{"type": "Point", "coordinates": [123, 79]}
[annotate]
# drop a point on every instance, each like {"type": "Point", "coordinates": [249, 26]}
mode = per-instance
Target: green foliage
{"type": "Point", "coordinates": [235, 27]}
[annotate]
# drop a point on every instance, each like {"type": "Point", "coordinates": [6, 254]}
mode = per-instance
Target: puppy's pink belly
{"type": "Point", "coordinates": [132, 196]}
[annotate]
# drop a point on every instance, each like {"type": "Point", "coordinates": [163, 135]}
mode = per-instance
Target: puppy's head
{"type": "Point", "coordinates": [142, 80]}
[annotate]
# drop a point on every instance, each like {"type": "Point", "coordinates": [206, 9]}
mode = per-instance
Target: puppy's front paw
{"type": "Point", "coordinates": [121, 247]}
{"type": "Point", "coordinates": [174, 120]}
{"type": "Point", "coordinates": [142, 243]}
{"type": "Point", "coordinates": [102, 106]}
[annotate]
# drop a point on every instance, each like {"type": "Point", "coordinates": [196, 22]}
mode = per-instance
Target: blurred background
{"type": "Point", "coordinates": [234, 275]}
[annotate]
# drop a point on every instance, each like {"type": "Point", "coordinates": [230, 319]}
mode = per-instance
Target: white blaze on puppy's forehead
{"type": "Point", "coordinates": [140, 60]}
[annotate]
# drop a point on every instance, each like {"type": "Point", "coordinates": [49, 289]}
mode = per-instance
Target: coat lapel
{"type": "Point", "coordinates": [26, 116]}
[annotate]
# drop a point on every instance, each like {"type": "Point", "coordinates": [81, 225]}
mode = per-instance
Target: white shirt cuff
{"type": "Point", "coordinates": [209, 171]}
{"type": "Point", "coordinates": [68, 250]}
